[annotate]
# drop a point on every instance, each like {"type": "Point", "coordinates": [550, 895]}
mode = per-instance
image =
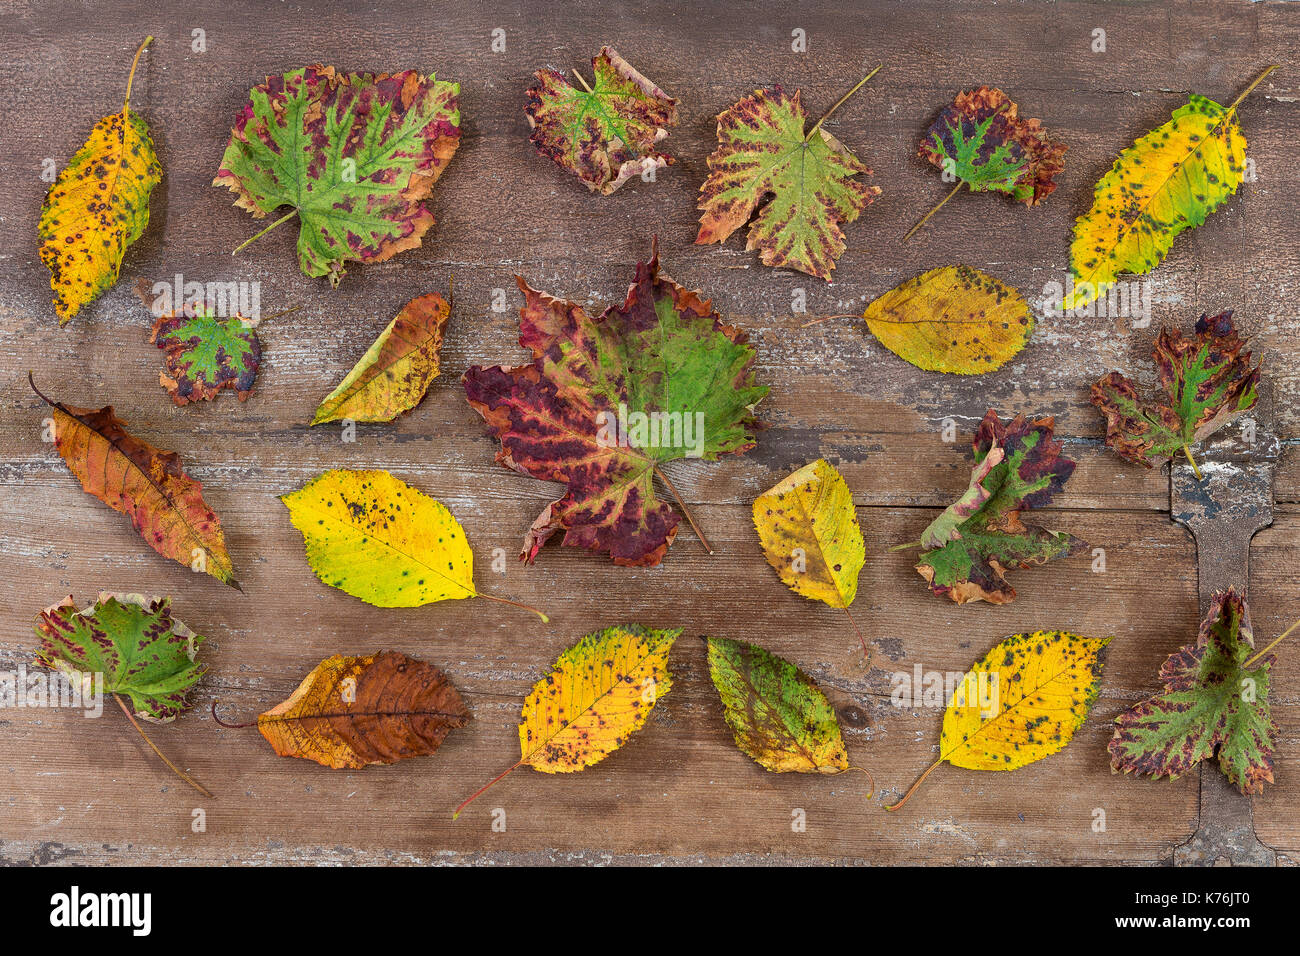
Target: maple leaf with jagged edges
{"type": "Point", "coordinates": [133, 640]}
{"type": "Point", "coordinates": [983, 141]}
{"type": "Point", "coordinates": [353, 154]}
{"type": "Point", "coordinates": [202, 352]}
{"type": "Point", "coordinates": [607, 401]}
{"type": "Point", "coordinates": [1207, 382]}
{"type": "Point", "coordinates": [604, 134]}
{"type": "Point", "coordinates": [981, 535]}
{"type": "Point", "coordinates": [808, 180]}
{"type": "Point", "coordinates": [1214, 703]}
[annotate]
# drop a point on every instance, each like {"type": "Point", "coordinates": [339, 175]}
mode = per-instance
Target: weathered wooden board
{"type": "Point", "coordinates": [88, 790]}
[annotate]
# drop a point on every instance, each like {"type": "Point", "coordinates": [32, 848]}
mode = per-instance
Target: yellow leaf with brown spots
{"type": "Point", "coordinates": [953, 319]}
{"type": "Point", "coordinates": [810, 535]}
{"type": "Point", "coordinates": [350, 712]}
{"type": "Point", "coordinates": [1021, 703]}
{"type": "Point", "coordinates": [374, 536]}
{"type": "Point", "coordinates": [599, 693]}
{"type": "Point", "coordinates": [395, 372]}
{"type": "Point", "coordinates": [98, 205]}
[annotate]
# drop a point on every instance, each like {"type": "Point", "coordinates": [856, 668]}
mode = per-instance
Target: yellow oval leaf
{"type": "Point", "coordinates": [1021, 703]}
{"type": "Point", "coordinates": [954, 319]}
{"type": "Point", "coordinates": [810, 535]}
{"type": "Point", "coordinates": [98, 205]}
{"type": "Point", "coordinates": [395, 372]}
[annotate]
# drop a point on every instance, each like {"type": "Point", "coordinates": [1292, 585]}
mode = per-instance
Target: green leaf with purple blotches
{"type": "Point", "coordinates": [353, 154]}
{"type": "Point", "coordinates": [980, 536]}
{"type": "Point", "coordinates": [134, 641]}
{"type": "Point", "coordinates": [203, 353]}
{"type": "Point", "coordinates": [605, 133]}
{"type": "Point", "coordinates": [1214, 703]}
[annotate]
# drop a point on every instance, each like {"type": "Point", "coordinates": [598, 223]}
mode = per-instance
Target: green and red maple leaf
{"type": "Point", "coordinates": [604, 134]}
{"type": "Point", "coordinates": [134, 641]}
{"type": "Point", "coordinates": [353, 154]}
{"type": "Point", "coordinates": [980, 536]}
{"type": "Point", "coordinates": [1214, 704]}
{"type": "Point", "coordinates": [1206, 382]}
{"type": "Point", "coordinates": [982, 141]}
{"type": "Point", "coordinates": [202, 352]}
{"type": "Point", "coordinates": [664, 350]}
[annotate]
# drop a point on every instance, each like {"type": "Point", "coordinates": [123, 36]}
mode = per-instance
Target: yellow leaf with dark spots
{"type": "Point", "coordinates": [954, 319]}
{"type": "Point", "coordinates": [98, 205]}
{"type": "Point", "coordinates": [1021, 703]}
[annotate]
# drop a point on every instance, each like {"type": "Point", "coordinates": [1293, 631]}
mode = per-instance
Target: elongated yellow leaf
{"type": "Point", "coordinates": [396, 370]}
{"type": "Point", "coordinates": [599, 693]}
{"type": "Point", "coordinates": [377, 538]}
{"type": "Point", "coordinates": [1170, 180]}
{"type": "Point", "coordinates": [810, 535]}
{"type": "Point", "coordinates": [953, 319]}
{"type": "Point", "coordinates": [98, 205]}
{"type": "Point", "coordinates": [1021, 703]}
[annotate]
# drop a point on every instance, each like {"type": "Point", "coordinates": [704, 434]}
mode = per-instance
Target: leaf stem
{"type": "Point", "coordinates": [827, 318]}
{"type": "Point", "coordinates": [582, 81]}
{"type": "Point", "coordinates": [841, 101]}
{"type": "Point", "coordinates": [870, 777]}
{"type": "Point", "coordinates": [161, 756]}
{"type": "Point", "coordinates": [250, 241]}
{"type": "Point", "coordinates": [126, 104]}
{"type": "Point", "coordinates": [1258, 80]}
{"type": "Point", "coordinates": [866, 652]}
{"type": "Point", "coordinates": [483, 789]}
{"type": "Point", "coordinates": [222, 723]}
{"type": "Point", "coordinates": [686, 511]}
{"type": "Point", "coordinates": [926, 217]}
{"type": "Point", "coordinates": [1276, 641]}
{"type": "Point", "coordinates": [525, 607]}
{"type": "Point", "coordinates": [919, 780]}
{"type": "Point", "coordinates": [1195, 470]}
{"type": "Point", "coordinates": [906, 547]}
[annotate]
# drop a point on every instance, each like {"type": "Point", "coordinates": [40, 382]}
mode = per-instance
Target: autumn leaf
{"type": "Point", "coordinates": [1021, 703]}
{"type": "Point", "coordinates": [777, 713]}
{"type": "Point", "coordinates": [144, 483]}
{"type": "Point", "coordinates": [604, 134]}
{"type": "Point", "coordinates": [810, 535]}
{"type": "Point", "coordinates": [600, 692]}
{"type": "Point", "coordinates": [98, 205]}
{"type": "Point", "coordinates": [606, 402]}
{"type": "Point", "coordinates": [979, 537]}
{"type": "Point", "coordinates": [375, 537]}
{"type": "Point", "coordinates": [1214, 703]}
{"type": "Point", "coordinates": [202, 353]}
{"type": "Point", "coordinates": [1169, 180]}
{"type": "Point", "coordinates": [1207, 381]}
{"type": "Point", "coordinates": [354, 154]}
{"type": "Point", "coordinates": [125, 644]}
{"type": "Point", "coordinates": [954, 319]}
{"type": "Point", "coordinates": [393, 375]}
{"type": "Point", "coordinates": [350, 712]}
{"type": "Point", "coordinates": [982, 141]}
{"type": "Point", "coordinates": [805, 183]}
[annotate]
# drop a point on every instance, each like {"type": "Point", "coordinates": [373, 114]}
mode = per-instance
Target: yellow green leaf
{"type": "Point", "coordinates": [1169, 180]}
{"type": "Point", "coordinates": [98, 205]}
{"type": "Point", "coordinates": [374, 536]}
{"type": "Point", "coordinates": [776, 712]}
{"type": "Point", "coordinates": [395, 372]}
{"type": "Point", "coordinates": [599, 693]}
{"type": "Point", "coordinates": [953, 319]}
{"type": "Point", "coordinates": [1021, 703]}
{"type": "Point", "coordinates": [810, 535]}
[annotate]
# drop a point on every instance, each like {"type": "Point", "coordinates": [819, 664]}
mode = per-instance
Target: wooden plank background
{"type": "Point", "coordinates": [82, 790]}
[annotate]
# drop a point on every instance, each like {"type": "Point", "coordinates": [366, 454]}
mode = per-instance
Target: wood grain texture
{"type": "Point", "coordinates": [80, 790]}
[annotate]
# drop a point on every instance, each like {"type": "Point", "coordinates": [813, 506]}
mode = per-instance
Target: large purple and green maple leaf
{"type": "Point", "coordinates": [664, 350]}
